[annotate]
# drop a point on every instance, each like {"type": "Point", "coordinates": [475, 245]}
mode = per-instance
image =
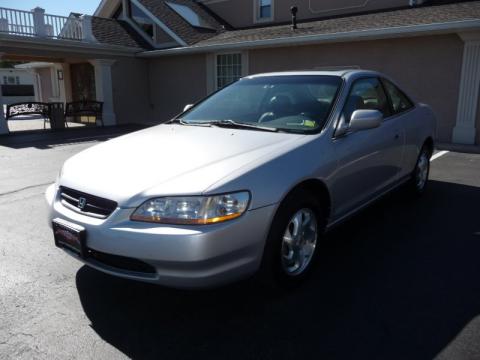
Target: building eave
{"type": "Point", "coordinates": [360, 35]}
{"type": "Point", "coordinates": [68, 46]}
{"type": "Point", "coordinates": [34, 65]}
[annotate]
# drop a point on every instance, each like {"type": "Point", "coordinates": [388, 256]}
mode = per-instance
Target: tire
{"type": "Point", "coordinates": [419, 180]}
{"type": "Point", "coordinates": [287, 262]}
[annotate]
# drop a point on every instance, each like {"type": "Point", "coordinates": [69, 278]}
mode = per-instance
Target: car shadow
{"type": "Point", "coordinates": [398, 281]}
{"type": "Point", "coordinates": [46, 139]}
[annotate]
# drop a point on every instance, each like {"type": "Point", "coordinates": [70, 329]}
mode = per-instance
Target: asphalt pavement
{"type": "Point", "coordinates": [398, 281]}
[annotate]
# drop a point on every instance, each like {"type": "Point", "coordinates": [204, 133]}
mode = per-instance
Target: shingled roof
{"type": "Point", "coordinates": [381, 20]}
{"type": "Point", "coordinates": [179, 26]}
{"type": "Point", "coordinates": [114, 32]}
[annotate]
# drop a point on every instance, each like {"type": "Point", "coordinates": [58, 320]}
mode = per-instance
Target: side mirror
{"type": "Point", "coordinates": [365, 119]}
{"type": "Point", "coordinates": [187, 107]}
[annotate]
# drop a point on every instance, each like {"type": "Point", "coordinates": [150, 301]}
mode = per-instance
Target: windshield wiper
{"type": "Point", "coordinates": [223, 123]}
{"type": "Point", "coordinates": [240, 125]}
{"type": "Point", "coordinates": [191, 123]}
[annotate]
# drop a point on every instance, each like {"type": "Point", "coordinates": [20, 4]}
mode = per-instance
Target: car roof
{"type": "Point", "coordinates": [345, 73]}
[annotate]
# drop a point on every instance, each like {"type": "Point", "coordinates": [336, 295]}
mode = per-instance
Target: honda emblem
{"type": "Point", "coordinates": [81, 203]}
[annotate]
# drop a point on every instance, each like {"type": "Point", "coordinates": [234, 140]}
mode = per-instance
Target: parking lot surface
{"type": "Point", "coordinates": [398, 281]}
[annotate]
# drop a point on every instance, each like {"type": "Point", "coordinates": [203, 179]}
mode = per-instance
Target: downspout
{"type": "Point", "coordinates": [149, 95]}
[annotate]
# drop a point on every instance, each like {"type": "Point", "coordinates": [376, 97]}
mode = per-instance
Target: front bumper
{"type": "Point", "coordinates": [182, 256]}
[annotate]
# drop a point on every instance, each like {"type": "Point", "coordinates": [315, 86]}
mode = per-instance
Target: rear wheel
{"type": "Point", "coordinates": [293, 240]}
{"type": "Point", "coordinates": [419, 180]}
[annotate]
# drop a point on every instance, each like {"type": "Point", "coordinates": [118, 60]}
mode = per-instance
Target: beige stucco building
{"type": "Point", "coordinates": [147, 59]}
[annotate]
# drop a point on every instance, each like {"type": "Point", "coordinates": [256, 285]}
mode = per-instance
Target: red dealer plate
{"type": "Point", "coordinates": [69, 236]}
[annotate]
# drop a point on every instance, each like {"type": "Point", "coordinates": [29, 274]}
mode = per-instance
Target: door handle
{"type": "Point", "coordinates": [397, 136]}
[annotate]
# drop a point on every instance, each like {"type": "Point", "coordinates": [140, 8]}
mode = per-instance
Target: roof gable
{"type": "Point", "coordinates": [182, 28]}
{"type": "Point", "coordinates": [114, 32]}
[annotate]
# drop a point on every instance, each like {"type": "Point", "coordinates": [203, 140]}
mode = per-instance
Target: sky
{"type": "Point", "coordinates": [55, 7]}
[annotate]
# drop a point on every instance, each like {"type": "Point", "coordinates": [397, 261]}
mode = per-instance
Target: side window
{"type": "Point", "coordinates": [400, 102]}
{"type": "Point", "coordinates": [366, 94]}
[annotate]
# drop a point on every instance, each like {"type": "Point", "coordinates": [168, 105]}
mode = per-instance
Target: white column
{"type": "Point", "coordinates": [4, 25]}
{"type": "Point", "coordinates": [58, 86]}
{"type": "Point", "coordinates": [104, 89]}
{"type": "Point", "coordinates": [87, 30]}
{"type": "Point", "coordinates": [464, 131]}
{"type": "Point", "coordinates": [3, 122]}
{"type": "Point", "coordinates": [55, 84]}
{"type": "Point", "coordinates": [39, 21]}
{"type": "Point", "coordinates": [67, 82]}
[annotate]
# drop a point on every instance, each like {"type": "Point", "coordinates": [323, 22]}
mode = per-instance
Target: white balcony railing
{"type": "Point", "coordinates": [17, 22]}
{"type": "Point", "coordinates": [36, 23]}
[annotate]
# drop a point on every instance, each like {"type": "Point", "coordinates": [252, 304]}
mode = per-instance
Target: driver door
{"type": "Point", "coordinates": [368, 160]}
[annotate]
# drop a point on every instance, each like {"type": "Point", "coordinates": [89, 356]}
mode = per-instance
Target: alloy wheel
{"type": "Point", "coordinates": [422, 171]}
{"type": "Point", "coordinates": [299, 242]}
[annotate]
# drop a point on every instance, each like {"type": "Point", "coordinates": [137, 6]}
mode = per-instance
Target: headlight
{"type": "Point", "coordinates": [193, 210]}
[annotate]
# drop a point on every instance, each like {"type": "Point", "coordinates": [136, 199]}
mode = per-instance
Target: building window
{"type": "Point", "coordinates": [190, 16]}
{"type": "Point", "coordinates": [141, 19]}
{"type": "Point", "coordinates": [229, 69]}
{"type": "Point", "coordinates": [11, 80]}
{"type": "Point", "coordinates": [263, 10]}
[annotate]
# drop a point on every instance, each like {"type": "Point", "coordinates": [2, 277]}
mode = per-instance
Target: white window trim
{"type": "Point", "coordinates": [122, 14]}
{"type": "Point", "coordinates": [244, 59]}
{"type": "Point", "coordinates": [256, 13]}
{"type": "Point", "coordinates": [160, 24]}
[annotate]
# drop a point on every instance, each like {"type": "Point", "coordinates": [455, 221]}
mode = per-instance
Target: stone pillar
{"type": "Point", "coordinates": [39, 21]}
{"type": "Point", "coordinates": [3, 122]}
{"type": "Point", "coordinates": [464, 131]}
{"type": "Point", "coordinates": [104, 89]}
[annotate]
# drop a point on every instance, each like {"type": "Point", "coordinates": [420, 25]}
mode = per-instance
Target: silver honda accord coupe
{"type": "Point", "coordinates": [246, 181]}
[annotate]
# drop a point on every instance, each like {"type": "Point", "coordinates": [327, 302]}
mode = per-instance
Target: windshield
{"type": "Point", "coordinates": [291, 103]}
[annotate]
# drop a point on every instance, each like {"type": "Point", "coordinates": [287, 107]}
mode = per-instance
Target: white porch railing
{"type": "Point", "coordinates": [37, 23]}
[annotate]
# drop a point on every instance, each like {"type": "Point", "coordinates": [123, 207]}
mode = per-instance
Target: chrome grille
{"type": "Point", "coordinates": [86, 204]}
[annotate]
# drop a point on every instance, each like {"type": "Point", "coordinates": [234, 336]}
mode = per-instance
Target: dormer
{"type": "Point", "coordinates": [164, 24]}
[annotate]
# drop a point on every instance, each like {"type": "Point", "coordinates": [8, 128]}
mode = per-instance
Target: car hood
{"type": "Point", "coordinates": [168, 160]}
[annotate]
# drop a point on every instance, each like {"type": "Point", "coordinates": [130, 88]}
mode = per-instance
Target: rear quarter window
{"type": "Point", "coordinates": [400, 102]}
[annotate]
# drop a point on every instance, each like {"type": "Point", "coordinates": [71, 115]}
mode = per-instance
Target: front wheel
{"type": "Point", "coordinates": [299, 242]}
{"type": "Point", "coordinates": [293, 241]}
